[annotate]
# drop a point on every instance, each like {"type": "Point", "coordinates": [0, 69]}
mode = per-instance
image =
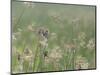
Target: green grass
{"type": "Point", "coordinates": [70, 27]}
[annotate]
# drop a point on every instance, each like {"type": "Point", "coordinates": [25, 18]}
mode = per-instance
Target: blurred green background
{"type": "Point", "coordinates": [71, 35]}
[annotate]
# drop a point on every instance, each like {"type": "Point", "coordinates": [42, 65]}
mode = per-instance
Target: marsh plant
{"type": "Point", "coordinates": [52, 37]}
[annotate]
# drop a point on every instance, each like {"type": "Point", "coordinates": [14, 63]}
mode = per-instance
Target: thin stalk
{"type": "Point", "coordinates": [36, 59]}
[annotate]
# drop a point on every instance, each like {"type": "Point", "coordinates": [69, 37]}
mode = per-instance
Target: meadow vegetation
{"type": "Point", "coordinates": [52, 37]}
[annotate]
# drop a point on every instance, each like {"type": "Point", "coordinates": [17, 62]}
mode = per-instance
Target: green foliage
{"type": "Point", "coordinates": [71, 37]}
